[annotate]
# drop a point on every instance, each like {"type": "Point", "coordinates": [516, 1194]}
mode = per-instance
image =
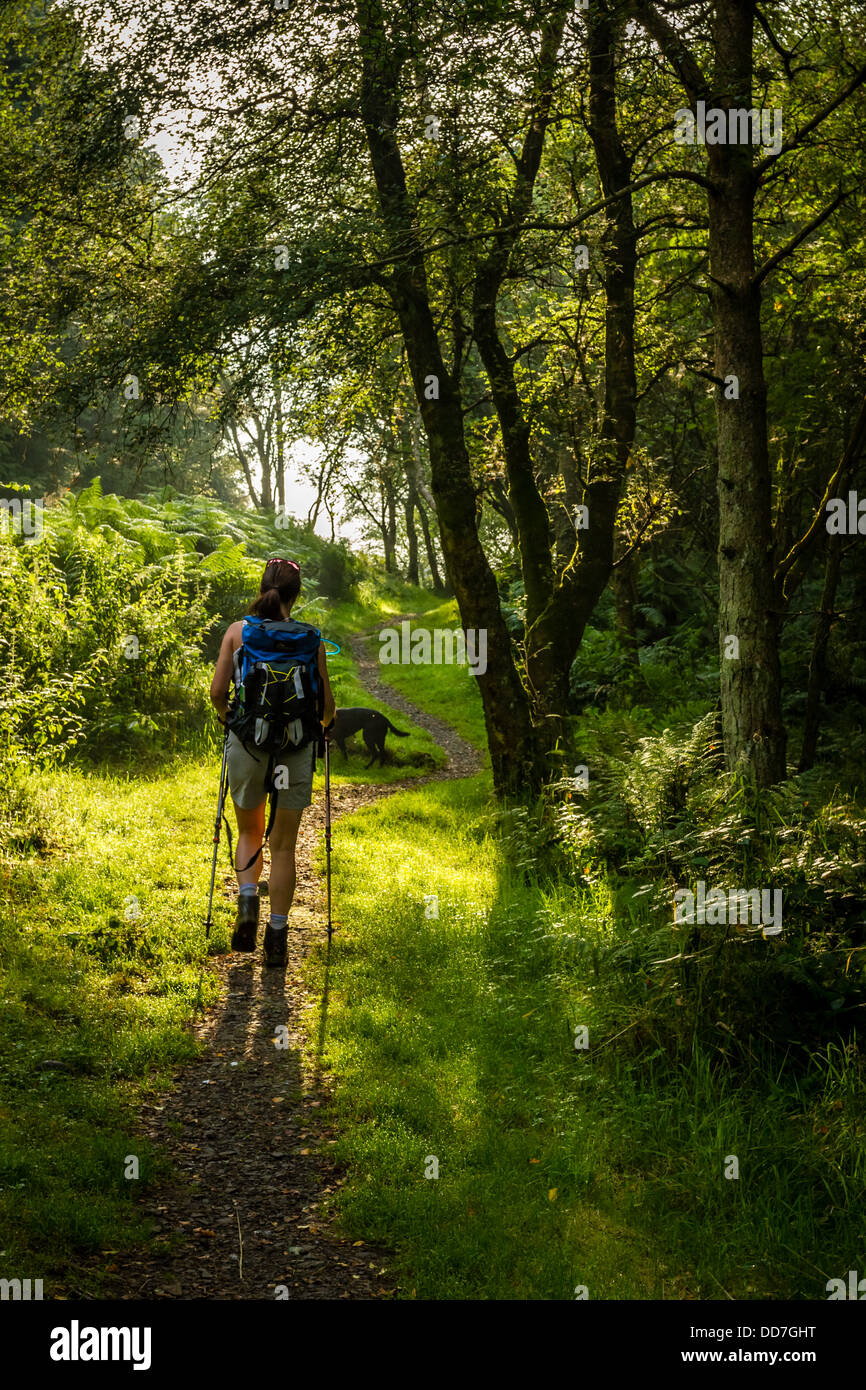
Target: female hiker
{"type": "Point", "coordinates": [247, 772]}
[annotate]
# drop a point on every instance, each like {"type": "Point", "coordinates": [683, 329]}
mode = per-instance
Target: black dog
{"type": "Point", "coordinates": [371, 723]}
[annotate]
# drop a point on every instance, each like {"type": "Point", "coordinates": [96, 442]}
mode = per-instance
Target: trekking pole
{"type": "Point", "coordinates": [216, 832]}
{"type": "Point", "coordinates": [328, 831]}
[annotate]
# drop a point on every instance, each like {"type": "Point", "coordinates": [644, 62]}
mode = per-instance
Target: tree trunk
{"type": "Point", "coordinates": [265, 462]}
{"type": "Point", "coordinates": [624, 587]}
{"type": "Point", "coordinates": [415, 428]}
{"type": "Point", "coordinates": [242, 460]}
{"type": "Point", "coordinates": [384, 529]}
{"type": "Point", "coordinates": [391, 508]}
{"type": "Point", "coordinates": [411, 538]}
{"type": "Point", "coordinates": [556, 630]}
{"type": "Point", "coordinates": [439, 585]}
{"type": "Point", "coordinates": [280, 442]}
{"type": "Point", "coordinates": [548, 656]}
{"type": "Point", "coordinates": [406, 451]}
{"type": "Point", "coordinates": [422, 491]}
{"type": "Point", "coordinates": [818, 663]}
{"type": "Point", "coordinates": [751, 682]}
{"type": "Point", "coordinates": [313, 514]}
{"type": "Point", "coordinates": [564, 484]}
{"type": "Point", "coordinates": [516, 766]}
{"type": "Point", "coordinates": [496, 494]}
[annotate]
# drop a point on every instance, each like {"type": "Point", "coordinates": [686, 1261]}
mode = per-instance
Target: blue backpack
{"type": "Point", "coordinates": [279, 696]}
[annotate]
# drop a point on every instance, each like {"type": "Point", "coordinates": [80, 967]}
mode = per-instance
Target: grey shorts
{"type": "Point", "coordinates": [293, 774]}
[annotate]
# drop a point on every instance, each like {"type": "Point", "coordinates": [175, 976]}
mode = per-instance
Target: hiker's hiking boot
{"type": "Point", "coordinates": [247, 923]}
{"type": "Point", "coordinates": [276, 939]}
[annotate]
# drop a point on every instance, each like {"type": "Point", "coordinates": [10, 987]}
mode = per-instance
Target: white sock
{"type": "Point", "coordinates": [248, 890]}
{"type": "Point", "coordinates": [278, 921]}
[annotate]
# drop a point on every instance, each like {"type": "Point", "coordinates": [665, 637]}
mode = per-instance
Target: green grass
{"type": "Point", "coordinates": [105, 993]}
{"type": "Point", "coordinates": [414, 756]}
{"type": "Point", "coordinates": [448, 692]}
{"type": "Point", "coordinates": [453, 1038]}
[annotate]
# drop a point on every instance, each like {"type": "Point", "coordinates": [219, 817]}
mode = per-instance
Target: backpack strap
{"type": "Point", "coordinates": [270, 788]}
{"type": "Point", "coordinates": [238, 663]}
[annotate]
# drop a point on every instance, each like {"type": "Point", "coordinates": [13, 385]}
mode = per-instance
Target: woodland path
{"type": "Point", "coordinates": [245, 1126]}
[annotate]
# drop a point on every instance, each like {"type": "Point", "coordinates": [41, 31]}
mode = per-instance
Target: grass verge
{"type": "Point", "coordinates": [101, 952]}
{"type": "Point", "coordinates": [498, 1157]}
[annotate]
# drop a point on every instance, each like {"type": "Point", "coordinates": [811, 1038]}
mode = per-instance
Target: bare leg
{"type": "Point", "coordinates": [251, 830]}
{"type": "Point", "coordinates": [284, 836]}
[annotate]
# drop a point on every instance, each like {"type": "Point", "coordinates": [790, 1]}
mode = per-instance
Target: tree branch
{"type": "Point", "coordinates": [775, 260]}
{"type": "Point", "coordinates": [674, 48]}
{"type": "Point", "coordinates": [847, 461]}
{"type": "Point", "coordinates": [798, 137]}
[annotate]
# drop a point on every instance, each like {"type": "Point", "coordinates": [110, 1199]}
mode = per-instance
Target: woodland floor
{"type": "Point", "coordinates": [245, 1126]}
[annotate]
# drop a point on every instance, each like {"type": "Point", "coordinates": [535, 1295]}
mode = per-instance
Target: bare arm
{"type": "Point", "coordinates": [222, 676]}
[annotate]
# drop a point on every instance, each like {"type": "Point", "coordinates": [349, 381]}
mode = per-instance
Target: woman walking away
{"type": "Point", "coordinates": [282, 702]}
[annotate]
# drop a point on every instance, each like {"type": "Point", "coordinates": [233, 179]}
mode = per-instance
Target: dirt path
{"type": "Point", "coordinates": [463, 759]}
{"type": "Point", "coordinates": [246, 1126]}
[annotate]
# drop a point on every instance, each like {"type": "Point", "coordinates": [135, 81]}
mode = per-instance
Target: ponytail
{"type": "Point", "coordinates": [268, 604]}
{"type": "Point", "coordinates": [281, 584]}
